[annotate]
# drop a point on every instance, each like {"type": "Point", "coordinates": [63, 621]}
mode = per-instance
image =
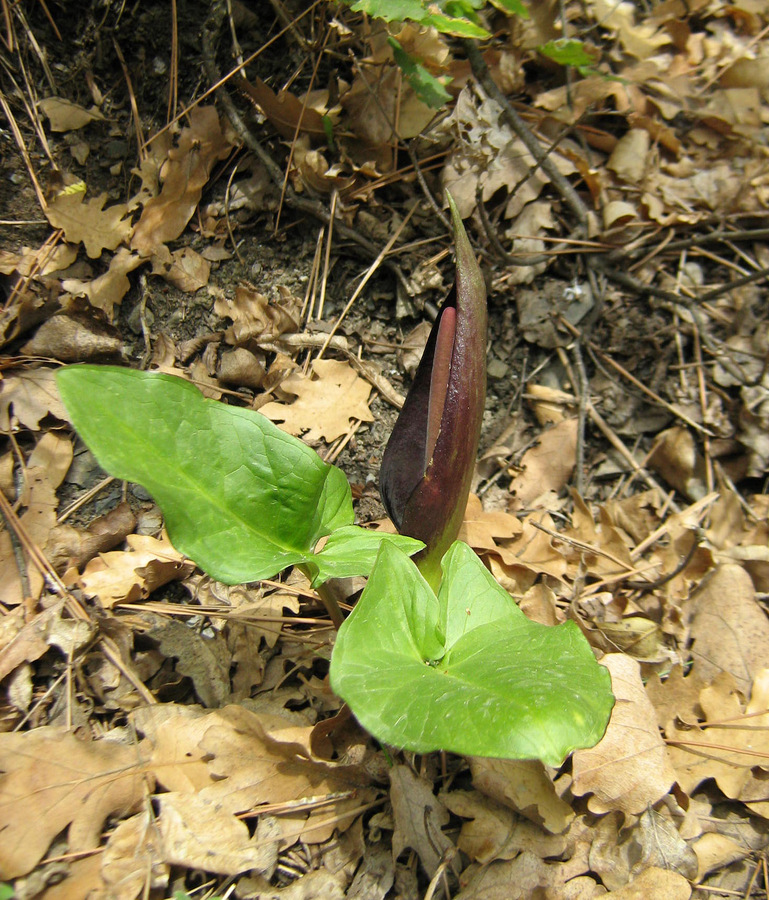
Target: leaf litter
{"type": "Point", "coordinates": [243, 774]}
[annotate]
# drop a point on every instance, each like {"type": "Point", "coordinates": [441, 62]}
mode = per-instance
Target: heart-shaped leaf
{"type": "Point", "coordinates": [465, 670]}
{"type": "Point", "coordinates": [240, 497]}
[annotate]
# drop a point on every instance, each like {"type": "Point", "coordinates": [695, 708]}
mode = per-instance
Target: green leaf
{"type": "Point", "coordinates": [455, 27]}
{"type": "Point", "coordinates": [392, 10]}
{"type": "Point", "coordinates": [567, 53]}
{"type": "Point", "coordinates": [6, 891]}
{"type": "Point", "coordinates": [240, 497]}
{"type": "Point", "coordinates": [423, 13]}
{"type": "Point", "coordinates": [499, 686]}
{"type": "Point", "coordinates": [352, 550]}
{"type": "Point", "coordinates": [429, 89]}
{"type": "Point", "coordinates": [511, 7]}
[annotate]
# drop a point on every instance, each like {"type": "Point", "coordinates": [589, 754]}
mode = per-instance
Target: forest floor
{"type": "Point", "coordinates": [250, 196]}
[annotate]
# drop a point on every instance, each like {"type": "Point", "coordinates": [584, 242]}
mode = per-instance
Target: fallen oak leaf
{"type": "Point", "coordinates": [87, 222]}
{"type": "Point", "coordinates": [61, 782]}
{"type": "Point", "coordinates": [325, 405]}
{"type": "Point", "coordinates": [629, 769]}
{"type": "Point", "coordinates": [125, 576]}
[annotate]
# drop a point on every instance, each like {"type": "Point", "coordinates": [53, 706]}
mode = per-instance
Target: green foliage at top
{"type": "Point", "coordinates": [458, 18]}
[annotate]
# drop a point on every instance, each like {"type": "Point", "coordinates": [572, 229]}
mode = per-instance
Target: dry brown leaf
{"type": "Point", "coordinates": [21, 641]}
{"type": "Point", "coordinates": [495, 832]}
{"type": "Point", "coordinates": [39, 520]}
{"type": "Point", "coordinates": [185, 268]}
{"type": "Point", "coordinates": [107, 291]}
{"type": "Point", "coordinates": [132, 859]}
{"type": "Point", "coordinates": [61, 781]}
{"type": "Point", "coordinates": [184, 174]}
{"type": "Point", "coordinates": [200, 835]}
{"type": "Point", "coordinates": [375, 876]}
{"type": "Point", "coordinates": [254, 317]}
{"type": "Point", "coordinates": [730, 630]}
{"type": "Point", "coordinates": [524, 786]}
{"type": "Point", "coordinates": [628, 159]}
{"type": "Point", "coordinates": [325, 405]}
{"type": "Point", "coordinates": [287, 114]}
{"type": "Point", "coordinates": [629, 769]}
{"type": "Point", "coordinates": [731, 745]}
{"type": "Point", "coordinates": [678, 696]}
{"type": "Point", "coordinates": [655, 884]}
{"type": "Point", "coordinates": [87, 222]}
{"type": "Point", "coordinates": [257, 758]}
{"type": "Point", "coordinates": [523, 878]}
{"type": "Point", "coordinates": [532, 551]}
{"type": "Point", "coordinates": [39, 260]}
{"type": "Point", "coordinates": [676, 458]}
{"type": "Point", "coordinates": [547, 466]}
{"type": "Point", "coordinates": [640, 40]}
{"type": "Point", "coordinates": [30, 395]}
{"type": "Point", "coordinates": [64, 115]}
{"type": "Point", "coordinates": [204, 660]}
{"type": "Point", "coordinates": [241, 368]}
{"type": "Point", "coordinates": [76, 337]}
{"type": "Point", "coordinates": [126, 576]}
{"type": "Point", "coordinates": [716, 851]}
{"type": "Point", "coordinates": [419, 818]}
{"type": "Point", "coordinates": [83, 879]}
{"type": "Point", "coordinates": [480, 528]}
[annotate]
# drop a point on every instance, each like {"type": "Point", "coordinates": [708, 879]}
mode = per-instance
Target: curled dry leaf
{"type": "Point", "coordinates": [29, 396]}
{"type": "Point", "coordinates": [629, 769]}
{"type": "Point", "coordinates": [184, 174]}
{"type": "Point", "coordinates": [107, 291]}
{"type": "Point", "coordinates": [125, 576]}
{"type": "Point", "coordinates": [730, 630]}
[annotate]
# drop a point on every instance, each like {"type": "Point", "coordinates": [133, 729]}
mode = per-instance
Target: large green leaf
{"type": "Point", "coordinates": [465, 671]}
{"type": "Point", "coordinates": [240, 497]}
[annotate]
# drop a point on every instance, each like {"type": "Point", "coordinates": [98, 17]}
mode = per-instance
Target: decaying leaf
{"type": "Point", "coordinates": [125, 576]}
{"type": "Point", "coordinates": [87, 222]}
{"type": "Point", "coordinates": [730, 630]}
{"type": "Point", "coordinates": [62, 782]}
{"type": "Point", "coordinates": [419, 818]}
{"type": "Point", "coordinates": [30, 395]}
{"type": "Point", "coordinates": [325, 405]}
{"type": "Point", "coordinates": [547, 466]}
{"type": "Point", "coordinates": [629, 769]}
{"type": "Point", "coordinates": [184, 175]}
{"type": "Point", "coordinates": [64, 115]}
{"type": "Point", "coordinates": [205, 660]}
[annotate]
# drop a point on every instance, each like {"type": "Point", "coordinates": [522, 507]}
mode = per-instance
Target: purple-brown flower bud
{"type": "Point", "coordinates": [429, 460]}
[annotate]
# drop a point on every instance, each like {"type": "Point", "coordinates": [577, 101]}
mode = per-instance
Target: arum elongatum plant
{"type": "Point", "coordinates": [430, 458]}
{"type": "Point", "coordinates": [433, 656]}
